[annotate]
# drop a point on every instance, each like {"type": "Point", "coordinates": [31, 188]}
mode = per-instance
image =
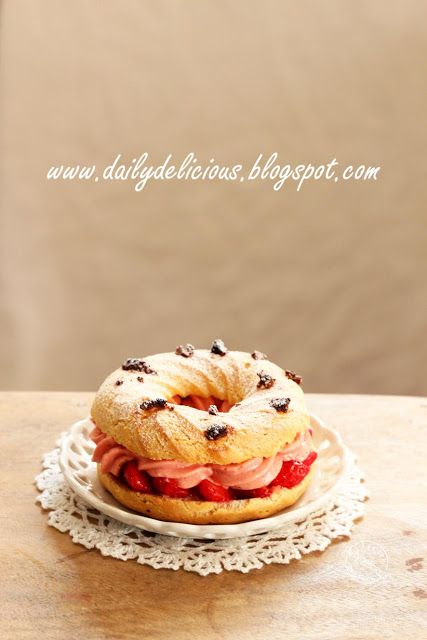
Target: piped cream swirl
{"type": "Point", "coordinates": [251, 474]}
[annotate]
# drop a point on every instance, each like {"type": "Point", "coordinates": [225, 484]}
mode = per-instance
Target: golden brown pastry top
{"type": "Point", "coordinates": [252, 428]}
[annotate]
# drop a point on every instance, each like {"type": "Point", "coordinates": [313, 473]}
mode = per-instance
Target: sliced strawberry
{"type": "Point", "coordinates": [261, 492]}
{"type": "Point", "coordinates": [225, 406]}
{"type": "Point", "coordinates": [136, 479]}
{"type": "Point", "coordinates": [214, 492]}
{"type": "Point", "coordinates": [291, 474]}
{"type": "Point", "coordinates": [170, 487]}
{"type": "Point", "coordinates": [197, 402]}
{"type": "Point", "coordinates": [310, 458]}
{"type": "Point", "coordinates": [217, 402]}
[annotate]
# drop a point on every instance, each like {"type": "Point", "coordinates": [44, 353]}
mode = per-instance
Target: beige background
{"type": "Point", "coordinates": [330, 281]}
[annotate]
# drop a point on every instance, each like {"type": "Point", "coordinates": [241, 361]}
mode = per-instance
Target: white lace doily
{"type": "Point", "coordinates": [92, 529]}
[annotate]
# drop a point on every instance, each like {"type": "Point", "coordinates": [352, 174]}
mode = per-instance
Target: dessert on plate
{"type": "Point", "coordinates": [203, 436]}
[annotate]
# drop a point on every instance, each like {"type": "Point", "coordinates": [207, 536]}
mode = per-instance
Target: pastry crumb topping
{"type": "Point", "coordinates": [119, 382]}
{"type": "Point", "coordinates": [136, 364]}
{"type": "Point", "coordinates": [280, 404]}
{"type": "Point", "coordinates": [185, 350]}
{"type": "Point", "coordinates": [213, 410]}
{"type": "Point", "coordinates": [216, 431]}
{"type": "Point", "coordinates": [265, 380]}
{"type": "Point", "coordinates": [157, 403]}
{"type": "Point", "coordinates": [293, 376]}
{"type": "Point", "coordinates": [219, 347]}
{"type": "Point", "coordinates": [258, 355]}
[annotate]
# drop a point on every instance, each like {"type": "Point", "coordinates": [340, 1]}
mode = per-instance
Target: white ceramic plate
{"type": "Point", "coordinates": [80, 473]}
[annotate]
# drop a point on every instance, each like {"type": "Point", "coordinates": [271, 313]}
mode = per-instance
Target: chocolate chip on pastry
{"type": "Point", "coordinates": [136, 364]}
{"type": "Point", "coordinates": [156, 403]}
{"type": "Point", "coordinates": [280, 404]}
{"type": "Point", "coordinates": [147, 369]}
{"type": "Point", "coordinates": [293, 376]}
{"type": "Point", "coordinates": [258, 355]}
{"type": "Point", "coordinates": [219, 348]}
{"type": "Point", "coordinates": [216, 431]}
{"type": "Point", "coordinates": [133, 364]}
{"type": "Point", "coordinates": [185, 350]}
{"type": "Point", "coordinates": [265, 380]}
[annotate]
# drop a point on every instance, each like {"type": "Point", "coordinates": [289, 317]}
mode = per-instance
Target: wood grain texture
{"type": "Point", "coordinates": [53, 588]}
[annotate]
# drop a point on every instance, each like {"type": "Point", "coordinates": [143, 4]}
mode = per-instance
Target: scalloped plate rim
{"type": "Point", "coordinates": [209, 531]}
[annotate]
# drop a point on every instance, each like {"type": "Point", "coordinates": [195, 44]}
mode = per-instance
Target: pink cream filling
{"type": "Point", "coordinates": [251, 474]}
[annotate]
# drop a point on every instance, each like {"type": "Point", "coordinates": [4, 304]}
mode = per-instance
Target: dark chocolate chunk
{"type": "Point", "coordinates": [157, 403]}
{"type": "Point", "coordinates": [216, 431]}
{"type": "Point", "coordinates": [147, 369]}
{"type": "Point", "coordinates": [185, 350]}
{"type": "Point", "coordinates": [140, 379]}
{"type": "Point", "coordinates": [136, 364]}
{"type": "Point", "coordinates": [258, 355]}
{"type": "Point", "coordinates": [119, 382]}
{"type": "Point", "coordinates": [133, 364]}
{"type": "Point", "coordinates": [213, 410]}
{"type": "Point", "coordinates": [293, 376]}
{"type": "Point", "coordinates": [280, 404]}
{"type": "Point", "coordinates": [265, 380]}
{"type": "Point", "coordinates": [219, 347]}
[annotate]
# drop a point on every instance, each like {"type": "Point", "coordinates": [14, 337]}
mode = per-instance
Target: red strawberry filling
{"type": "Point", "coordinates": [170, 487]}
{"type": "Point", "coordinates": [136, 479]}
{"type": "Point", "coordinates": [213, 492]}
{"type": "Point", "coordinates": [290, 475]}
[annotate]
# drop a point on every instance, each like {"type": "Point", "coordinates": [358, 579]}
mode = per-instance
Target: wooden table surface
{"type": "Point", "coordinates": [371, 586]}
